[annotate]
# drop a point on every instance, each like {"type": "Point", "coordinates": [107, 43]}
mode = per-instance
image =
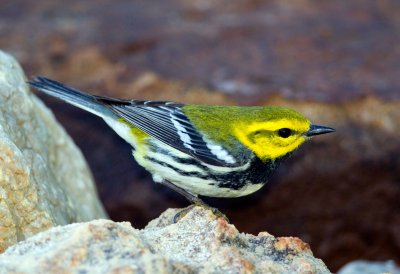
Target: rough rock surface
{"type": "Point", "coordinates": [44, 180]}
{"type": "Point", "coordinates": [370, 267]}
{"type": "Point", "coordinates": [198, 243]}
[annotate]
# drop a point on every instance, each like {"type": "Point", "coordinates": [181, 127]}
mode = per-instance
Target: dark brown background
{"type": "Point", "coordinates": [336, 61]}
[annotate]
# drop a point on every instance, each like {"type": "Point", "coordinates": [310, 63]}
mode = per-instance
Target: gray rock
{"type": "Point", "coordinates": [369, 267]}
{"type": "Point", "coordinates": [44, 179]}
{"type": "Point", "coordinates": [198, 243]}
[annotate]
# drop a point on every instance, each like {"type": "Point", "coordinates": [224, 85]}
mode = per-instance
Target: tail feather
{"type": "Point", "coordinates": [75, 97]}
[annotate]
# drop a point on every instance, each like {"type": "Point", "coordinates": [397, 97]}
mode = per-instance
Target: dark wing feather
{"type": "Point", "coordinates": [166, 122]}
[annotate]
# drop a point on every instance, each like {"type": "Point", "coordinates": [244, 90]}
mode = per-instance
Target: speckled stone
{"type": "Point", "coordinates": [198, 243]}
{"type": "Point", "coordinates": [44, 179]}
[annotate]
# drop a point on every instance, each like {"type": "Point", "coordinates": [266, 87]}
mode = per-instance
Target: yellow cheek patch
{"type": "Point", "coordinates": [271, 146]}
{"type": "Point", "coordinates": [267, 149]}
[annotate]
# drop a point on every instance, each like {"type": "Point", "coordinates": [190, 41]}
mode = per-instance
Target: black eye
{"type": "Point", "coordinates": [284, 132]}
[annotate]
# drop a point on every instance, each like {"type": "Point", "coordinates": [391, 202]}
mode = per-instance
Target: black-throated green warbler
{"type": "Point", "coordinates": [216, 151]}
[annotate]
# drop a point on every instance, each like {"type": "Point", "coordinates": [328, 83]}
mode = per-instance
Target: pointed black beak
{"type": "Point", "coordinates": [317, 130]}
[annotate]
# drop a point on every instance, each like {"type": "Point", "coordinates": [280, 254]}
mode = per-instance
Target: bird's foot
{"type": "Point", "coordinates": [196, 201]}
{"type": "Point", "coordinates": [178, 216]}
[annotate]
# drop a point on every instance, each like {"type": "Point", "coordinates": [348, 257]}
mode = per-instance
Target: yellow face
{"type": "Point", "coordinates": [273, 139]}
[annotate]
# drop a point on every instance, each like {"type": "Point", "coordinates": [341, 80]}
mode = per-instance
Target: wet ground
{"type": "Point", "coordinates": [336, 61]}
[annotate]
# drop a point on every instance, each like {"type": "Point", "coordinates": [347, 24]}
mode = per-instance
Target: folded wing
{"type": "Point", "coordinates": [166, 122]}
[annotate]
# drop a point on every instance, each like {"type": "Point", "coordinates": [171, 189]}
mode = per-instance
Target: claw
{"type": "Point", "coordinates": [196, 201]}
{"type": "Point", "coordinates": [178, 216]}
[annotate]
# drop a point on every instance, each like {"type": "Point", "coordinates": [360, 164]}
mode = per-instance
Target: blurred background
{"type": "Point", "coordinates": [335, 61]}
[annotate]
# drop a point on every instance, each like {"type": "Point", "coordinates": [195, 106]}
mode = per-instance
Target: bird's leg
{"type": "Point", "coordinates": [192, 198]}
{"type": "Point", "coordinates": [189, 196]}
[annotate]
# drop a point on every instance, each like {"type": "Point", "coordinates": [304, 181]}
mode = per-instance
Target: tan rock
{"type": "Point", "coordinates": [199, 243]}
{"type": "Point", "coordinates": [44, 180]}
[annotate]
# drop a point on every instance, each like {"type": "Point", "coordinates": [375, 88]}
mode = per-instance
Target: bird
{"type": "Point", "coordinates": [198, 150]}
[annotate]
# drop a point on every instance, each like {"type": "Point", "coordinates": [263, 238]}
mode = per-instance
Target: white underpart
{"type": "Point", "coordinates": [247, 189]}
{"type": "Point", "coordinates": [197, 185]}
{"type": "Point", "coordinates": [192, 184]}
{"type": "Point", "coordinates": [169, 160]}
